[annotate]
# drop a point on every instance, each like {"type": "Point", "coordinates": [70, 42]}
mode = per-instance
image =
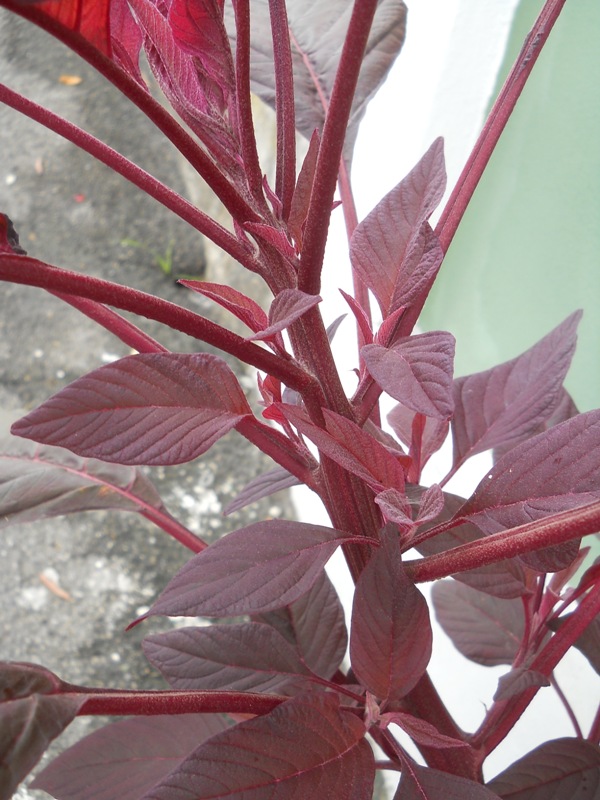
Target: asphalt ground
{"type": "Point", "coordinates": [71, 585]}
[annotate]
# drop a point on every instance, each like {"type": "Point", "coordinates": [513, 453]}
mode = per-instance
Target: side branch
{"type": "Point", "coordinates": [557, 529]}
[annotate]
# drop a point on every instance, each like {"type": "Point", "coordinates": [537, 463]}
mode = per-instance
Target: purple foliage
{"type": "Point", "coordinates": [265, 704]}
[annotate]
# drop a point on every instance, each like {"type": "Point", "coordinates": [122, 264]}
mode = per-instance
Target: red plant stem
{"type": "Point", "coordinates": [496, 122]}
{"type": "Point", "coordinates": [175, 529]}
{"type": "Point", "coordinates": [332, 143]}
{"type": "Point", "coordinates": [285, 175]}
{"type": "Point", "coordinates": [132, 172]}
{"type": "Point", "coordinates": [526, 538]}
{"type": "Point", "coordinates": [122, 328]}
{"type": "Point", "coordinates": [503, 715]}
{"type": "Point", "coordinates": [122, 702]}
{"type": "Point", "coordinates": [244, 102]}
{"type": "Point", "coordinates": [139, 95]}
{"type": "Point", "coordinates": [29, 271]}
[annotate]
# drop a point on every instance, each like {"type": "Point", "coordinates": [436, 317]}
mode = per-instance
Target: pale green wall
{"type": "Point", "coordinates": [528, 250]}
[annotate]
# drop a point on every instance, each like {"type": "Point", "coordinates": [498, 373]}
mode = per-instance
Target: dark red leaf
{"type": "Point", "coordinates": [517, 680]}
{"type": "Point", "coordinates": [244, 308]}
{"type": "Point", "coordinates": [317, 32]}
{"type": "Point", "coordinates": [351, 447]}
{"type": "Point", "coordinates": [315, 625]}
{"type": "Point", "coordinates": [563, 768]}
{"type": "Point", "coordinates": [245, 657]}
{"type": "Point", "coordinates": [380, 245]}
{"type": "Point", "coordinates": [422, 783]}
{"type": "Point", "coordinates": [153, 408]}
{"type": "Point", "coordinates": [20, 679]}
{"type": "Point", "coordinates": [266, 484]}
{"type": "Point", "coordinates": [128, 758]}
{"type": "Point", "coordinates": [306, 747]}
{"type": "Point", "coordinates": [485, 629]}
{"type": "Point", "coordinates": [197, 98]}
{"type": "Point", "coordinates": [503, 405]}
{"type": "Point", "coordinates": [288, 306]}
{"type": "Point", "coordinates": [276, 237]}
{"type": "Point", "coordinates": [417, 371]}
{"type": "Point", "coordinates": [390, 636]}
{"type": "Point", "coordinates": [421, 732]}
{"type": "Point", "coordinates": [553, 471]}
{"type": "Point", "coordinates": [108, 26]}
{"type": "Point", "coordinates": [27, 726]}
{"type": "Point", "coordinates": [250, 571]}
{"type": "Point", "coordinates": [37, 482]}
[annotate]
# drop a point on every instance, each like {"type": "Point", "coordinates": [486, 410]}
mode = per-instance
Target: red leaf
{"type": "Point", "coordinates": [380, 244]}
{"type": "Point", "coordinates": [306, 747]}
{"type": "Point", "coordinates": [553, 471]}
{"type": "Point", "coordinates": [505, 579]}
{"type": "Point", "coordinates": [563, 768]}
{"type": "Point", "coordinates": [315, 625]}
{"type": "Point", "coordinates": [89, 18]}
{"type": "Point", "coordinates": [288, 306]}
{"type": "Point", "coordinates": [390, 636]}
{"type": "Point", "coordinates": [302, 192]}
{"type": "Point", "coordinates": [245, 657]}
{"type": "Point", "coordinates": [126, 759]}
{"type": "Point", "coordinates": [192, 92]}
{"type": "Point", "coordinates": [485, 629]}
{"type": "Point", "coordinates": [516, 681]}
{"type": "Point", "coordinates": [244, 308]}
{"type": "Point", "coordinates": [417, 371]}
{"type": "Point", "coordinates": [350, 447]}
{"type": "Point", "coordinates": [27, 726]}
{"type": "Point", "coordinates": [153, 408]}
{"type": "Point", "coordinates": [502, 405]}
{"type": "Point", "coordinates": [276, 237]}
{"type": "Point", "coordinates": [422, 783]}
{"type": "Point", "coordinates": [424, 437]}
{"type": "Point", "coordinates": [589, 641]}
{"type": "Point", "coordinates": [256, 569]}
{"type": "Point", "coordinates": [199, 30]}
{"type": "Point", "coordinates": [421, 732]}
{"type": "Point", "coordinates": [38, 482]}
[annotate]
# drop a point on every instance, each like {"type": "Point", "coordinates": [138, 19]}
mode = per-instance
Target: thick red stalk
{"type": "Point", "coordinates": [132, 172]}
{"type": "Point", "coordinates": [527, 538]}
{"type": "Point", "coordinates": [285, 176]}
{"type": "Point", "coordinates": [28, 271]}
{"type": "Point", "coordinates": [139, 95]}
{"type": "Point", "coordinates": [496, 122]}
{"type": "Point", "coordinates": [332, 143]}
{"type": "Point", "coordinates": [244, 101]}
{"type": "Point", "coordinates": [129, 703]}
